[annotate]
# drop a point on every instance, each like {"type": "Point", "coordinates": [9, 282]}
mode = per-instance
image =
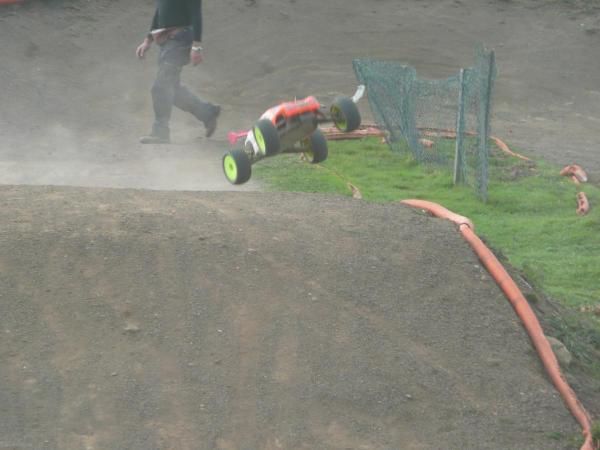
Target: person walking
{"type": "Point", "coordinates": [177, 30]}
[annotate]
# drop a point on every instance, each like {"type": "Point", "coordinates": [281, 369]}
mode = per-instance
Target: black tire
{"type": "Point", "coordinates": [267, 137]}
{"type": "Point", "coordinates": [237, 166]}
{"type": "Point", "coordinates": [317, 147]}
{"type": "Point", "coordinates": [345, 114]}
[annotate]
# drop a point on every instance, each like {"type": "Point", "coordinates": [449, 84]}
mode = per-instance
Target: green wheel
{"type": "Point", "coordinates": [345, 114]}
{"type": "Point", "coordinates": [317, 147]}
{"type": "Point", "coordinates": [237, 166]}
{"type": "Point", "coordinates": [267, 137]}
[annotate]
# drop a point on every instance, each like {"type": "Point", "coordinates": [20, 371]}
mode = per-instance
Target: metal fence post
{"type": "Point", "coordinates": [459, 153]}
{"type": "Point", "coordinates": [484, 130]}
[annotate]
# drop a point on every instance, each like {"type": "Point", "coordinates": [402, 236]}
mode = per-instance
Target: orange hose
{"type": "Point", "coordinates": [451, 134]}
{"type": "Point", "coordinates": [374, 130]}
{"type": "Point", "coordinates": [502, 146]}
{"type": "Point", "coordinates": [440, 212]}
{"type": "Point", "coordinates": [573, 170]}
{"type": "Point", "coordinates": [332, 133]}
{"type": "Point", "coordinates": [523, 310]}
{"type": "Point", "coordinates": [583, 205]}
{"type": "Point", "coordinates": [427, 143]}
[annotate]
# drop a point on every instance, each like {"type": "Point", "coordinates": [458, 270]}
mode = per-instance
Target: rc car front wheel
{"type": "Point", "coordinates": [317, 147]}
{"type": "Point", "coordinates": [237, 166]}
{"type": "Point", "coordinates": [267, 137]}
{"type": "Point", "coordinates": [345, 114]}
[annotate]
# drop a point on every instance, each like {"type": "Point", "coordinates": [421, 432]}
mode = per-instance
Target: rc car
{"type": "Point", "coordinates": [290, 127]}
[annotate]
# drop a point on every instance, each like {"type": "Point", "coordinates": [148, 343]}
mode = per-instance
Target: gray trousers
{"type": "Point", "coordinates": [167, 90]}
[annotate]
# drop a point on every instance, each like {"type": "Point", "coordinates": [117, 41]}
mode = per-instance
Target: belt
{"type": "Point", "coordinates": [161, 36]}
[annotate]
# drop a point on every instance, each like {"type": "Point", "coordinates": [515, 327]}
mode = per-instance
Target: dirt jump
{"type": "Point", "coordinates": [146, 303]}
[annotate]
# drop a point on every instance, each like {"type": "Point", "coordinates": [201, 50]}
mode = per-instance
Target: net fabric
{"type": "Point", "coordinates": [442, 122]}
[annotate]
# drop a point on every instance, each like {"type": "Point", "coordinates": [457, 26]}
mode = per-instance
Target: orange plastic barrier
{"type": "Point", "coordinates": [583, 205]}
{"type": "Point", "coordinates": [523, 310]}
{"type": "Point", "coordinates": [10, 2]}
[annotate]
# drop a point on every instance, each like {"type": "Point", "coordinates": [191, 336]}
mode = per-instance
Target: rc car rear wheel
{"type": "Point", "coordinates": [267, 137]}
{"type": "Point", "coordinates": [237, 166]}
{"type": "Point", "coordinates": [345, 114]}
{"type": "Point", "coordinates": [317, 147]}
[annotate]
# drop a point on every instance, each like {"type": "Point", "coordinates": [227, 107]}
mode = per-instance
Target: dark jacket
{"type": "Point", "coordinates": [179, 13]}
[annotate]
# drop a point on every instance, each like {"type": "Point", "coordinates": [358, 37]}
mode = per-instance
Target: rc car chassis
{"type": "Point", "coordinates": [291, 127]}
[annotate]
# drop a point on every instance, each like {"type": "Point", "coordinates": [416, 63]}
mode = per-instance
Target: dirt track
{"type": "Point", "coordinates": [135, 320]}
{"type": "Point", "coordinates": [239, 320]}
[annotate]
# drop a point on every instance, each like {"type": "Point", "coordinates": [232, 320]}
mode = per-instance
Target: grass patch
{"type": "Point", "coordinates": [596, 433]}
{"type": "Point", "coordinates": [529, 217]}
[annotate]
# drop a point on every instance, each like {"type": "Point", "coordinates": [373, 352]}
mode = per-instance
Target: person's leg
{"type": "Point", "coordinates": [170, 62]}
{"type": "Point", "coordinates": [204, 111]}
{"type": "Point", "coordinates": [184, 99]}
{"type": "Point", "coordinates": [163, 98]}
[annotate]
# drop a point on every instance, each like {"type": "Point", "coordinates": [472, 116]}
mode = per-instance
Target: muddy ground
{"type": "Point", "coordinates": [153, 319]}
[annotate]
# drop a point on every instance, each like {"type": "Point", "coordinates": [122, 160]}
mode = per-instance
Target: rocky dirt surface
{"type": "Point", "coordinates": [141, 320]}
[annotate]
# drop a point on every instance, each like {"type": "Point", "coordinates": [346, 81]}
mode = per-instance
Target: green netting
{"type": "Point", "coordinates": [442, 122]}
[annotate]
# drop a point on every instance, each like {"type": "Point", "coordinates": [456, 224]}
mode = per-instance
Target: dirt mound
{"type": "Point", "coordinates": [162, 320]}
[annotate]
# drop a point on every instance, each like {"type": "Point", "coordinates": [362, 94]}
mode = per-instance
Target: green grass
{"type": "Point", "coordinates": [529, 216]}
{"type": "Point", "coordinates": [596, 433]}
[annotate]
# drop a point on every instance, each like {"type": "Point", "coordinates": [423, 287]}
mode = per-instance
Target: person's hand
{"type": "Point", "coordinates": [143, 48]}
{"type": "Point", "coordinates": [196, 56]}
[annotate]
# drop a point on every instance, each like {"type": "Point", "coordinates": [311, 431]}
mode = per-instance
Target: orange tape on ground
{"type": "Point", "coordinates": [523, 310]}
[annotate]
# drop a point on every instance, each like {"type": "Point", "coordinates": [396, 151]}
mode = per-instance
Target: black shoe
{"type": "Point", "coordinates": [154, 139]}
{"type": "Point", "coordinates": [211, 124]}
